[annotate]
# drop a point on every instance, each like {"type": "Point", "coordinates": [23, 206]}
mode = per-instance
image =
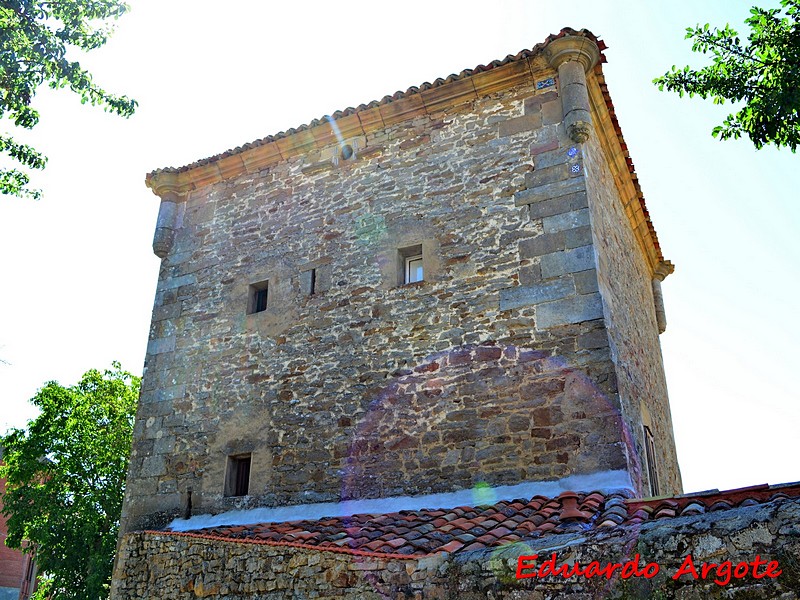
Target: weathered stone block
{"type": "Point", "coordinates": [170, 393]}
{"type": "Point", "coordinates": [580, 236]}
{"type": "Point", "coordinates": [161, 345]}
{"type": "Point", "coordinates": [517, 297]}
{"type": "Point", "coordinates": [574, 309]}
{"type": "Point", "coordinates": [542, 160]}
{"type": "Point", "coordinates": [530, 275]}
{"type": "Point", "coordinates": [519, 125]}
{"type": "Point", "coordinates": [169, 311]}
{"type": "Point", "coordinates": [545, 243]}
{"type": "Point", "coordinates": [568, 261]}
{"type": "Point", "coordinates": [176, 282]}
{"type": "Point", "coordinates": [592, 340]}
{"type": "Point", "coordinates": [153, 466]}
{"type": "Point", "coordinates": [570, 220]}
{"type": "Point", "coordinates": [534, 104]}
{"type": "Point", "coordinates": [542, 147]}
{"type": "Point", "coordinates": [552, 113]}
{"type": "Point", "coordinates": [552, 191]}
{"type": "Point", "coordinates": [585, 281]}
{"type": "Point", "coordinates": [547, 175]}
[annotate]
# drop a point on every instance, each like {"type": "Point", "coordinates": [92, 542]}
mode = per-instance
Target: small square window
{"type": "Point", "coordinates": [258, 297]}
{"type": "Point", "coordinates": [412, 264]}
{"type": "Point", "coordinates": [237, 480]}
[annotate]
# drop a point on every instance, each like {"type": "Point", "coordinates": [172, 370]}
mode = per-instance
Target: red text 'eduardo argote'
{"type": "Point", "coordinates": [721, 573]}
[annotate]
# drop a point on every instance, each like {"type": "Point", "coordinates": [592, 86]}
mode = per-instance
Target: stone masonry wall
{"type": "Point", "coordinates": [630, 320]}
{"type": "Point", "coordinates": [368, 387]}
{"type": "Point", "coordinates": [176, 567]}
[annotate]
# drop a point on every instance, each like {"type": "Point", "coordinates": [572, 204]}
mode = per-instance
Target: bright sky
{"type": "Point", "coordinates": [78, 273]}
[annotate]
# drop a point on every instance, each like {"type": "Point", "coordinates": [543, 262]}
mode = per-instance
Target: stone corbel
{"type": "Point", "coordinates": [166, 186]}
{"type": "Point", "coordinates": [661, 271]}
{"type": "Point", "coordinates": [572, 56]}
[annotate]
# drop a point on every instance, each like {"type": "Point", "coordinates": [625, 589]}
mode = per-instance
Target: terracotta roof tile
{"type": "Point", "coordinates": [521, 55]}
{"type": "Point", "coordinates": [422, 532]}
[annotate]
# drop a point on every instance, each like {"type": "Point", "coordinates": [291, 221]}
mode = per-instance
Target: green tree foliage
{"type": "Point", "coordinates": [65, 477]}
{"type": "Point", "coordinates": [35, 36]}
{"type": "Point", "coordinates": [764, 73]}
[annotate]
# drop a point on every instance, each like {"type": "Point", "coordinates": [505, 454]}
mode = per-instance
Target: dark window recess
{"type": "Point", "coordinates": [257, 301]}
{"type": "Point", "coordinates": [238, 480]}
{"type": "Point", "coordinates": [313, 283]}
{"type": "Point", "coordinates": [650, 456]}
{"type": "Point", "coordinates": [260, 301]}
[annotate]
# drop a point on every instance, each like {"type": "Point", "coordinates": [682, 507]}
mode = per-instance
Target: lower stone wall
{"type": "Point", "coordinates": [174, 566]}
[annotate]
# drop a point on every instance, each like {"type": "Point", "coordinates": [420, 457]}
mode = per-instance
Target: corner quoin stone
{"type": "Point", "coordinates": [575, 309]}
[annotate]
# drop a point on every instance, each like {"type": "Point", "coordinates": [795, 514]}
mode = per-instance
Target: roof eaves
{"type": "Point", "coordinates": [398, 95]}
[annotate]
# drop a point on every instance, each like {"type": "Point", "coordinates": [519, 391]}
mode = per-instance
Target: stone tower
{"type": "Point", "coordinates": [456, 285]}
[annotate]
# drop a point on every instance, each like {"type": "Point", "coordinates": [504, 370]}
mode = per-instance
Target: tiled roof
{"type": "Point", "coordinates": [521, 55]}
{"type": "Point", "coordinates": [411, 534]}
{"type": "Point", "coordinates": [465, 74]}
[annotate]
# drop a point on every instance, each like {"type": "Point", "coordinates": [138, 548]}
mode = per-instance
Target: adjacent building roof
{"type": "Point", "coordinates": [416, 533]}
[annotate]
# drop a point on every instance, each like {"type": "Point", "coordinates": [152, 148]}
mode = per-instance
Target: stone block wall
{"type": "Point", "coordinates": [630, 320]}
{"type": "Point", "coordinates": [175, 567]}
{"type": "Point", "coordinates": [495, 368]}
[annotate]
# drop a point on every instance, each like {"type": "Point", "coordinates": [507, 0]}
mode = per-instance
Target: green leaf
{"type": "Point", "coordinates": [35, 37]}
{"type": "Point", "coordinates": [762, 71]}
{"type": "Point", "coordinates": [65, 473]}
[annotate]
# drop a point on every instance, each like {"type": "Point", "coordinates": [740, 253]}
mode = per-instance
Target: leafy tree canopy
{"type": "Point", "coordinates": [65, 476]}
{"type": "Point", "coordinates": [763, 72]}
{"type": "Point", "coordinates": [34, 38]}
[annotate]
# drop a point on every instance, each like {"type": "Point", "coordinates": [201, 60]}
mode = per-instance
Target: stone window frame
{"type": "Point", "coordinates": [404, 239]}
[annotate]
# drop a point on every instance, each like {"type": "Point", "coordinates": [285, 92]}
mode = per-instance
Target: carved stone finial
{"type": "Point", "coordinates": [573, 56]}
{"type": "Point", "coordinates": [663, 269]}
{"type": "Point", "coordinates": [572, 48]}
{"type": "Point", "coordinates": [166, 186]}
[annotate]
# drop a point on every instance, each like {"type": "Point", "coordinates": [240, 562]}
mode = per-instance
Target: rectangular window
{"type": "Point", "coordinates": [257, 300]}
{"type": "Point", "coordinates": [412, 264]}
{"type": "Point", "coordinates": [650, 458]}
{"type": "Point", "coordinates": [237, 481]}
{"type": "Point", "coordinates": [414, 271]}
